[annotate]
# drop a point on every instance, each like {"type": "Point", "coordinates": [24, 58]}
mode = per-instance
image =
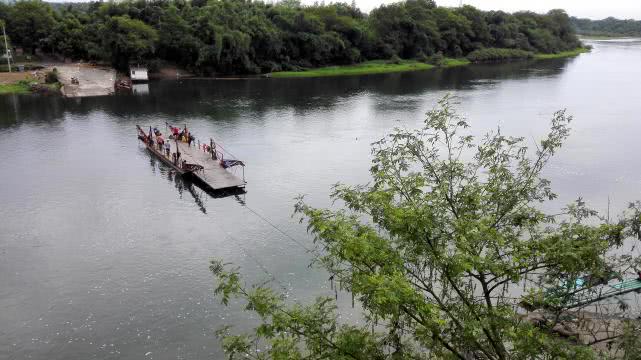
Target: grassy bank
{"type": "Point", "coordinates": [366, 68]}
{"type": "Point", "coordinates": [19, 87]}
{"type": "Point", "coordinates": [383, 66]}
{"type": "Point", "coordinates": [29, 87]}
{"type": "Point", "coordinates": [449, 62]}
{"type": "Point", "coordinates": [562, 54]}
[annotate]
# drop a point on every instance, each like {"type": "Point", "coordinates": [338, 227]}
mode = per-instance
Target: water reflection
{"type": "Point", "coordinates": [184, 184]}
{"type": "Point", "coordinates": [15, 109]}
{"type": "Point", "coordinates": [140, 89]}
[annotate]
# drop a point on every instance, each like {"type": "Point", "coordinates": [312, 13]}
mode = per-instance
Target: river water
{"type": "Point", "coordinates": [104, 252]}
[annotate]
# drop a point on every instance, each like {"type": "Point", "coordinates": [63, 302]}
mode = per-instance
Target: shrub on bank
{"type": "Point", "coordinates": [52, 76]}
{"type": "Point", "coordinates": [394, 60]}
{"type": "Point", "coordinates": [421, 57]}
{"type": "Point", "coordinates": [498, 54]}
{"type": "Point", "coordinates": [437, 59]}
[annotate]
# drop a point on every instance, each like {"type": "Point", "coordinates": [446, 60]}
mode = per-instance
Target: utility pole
{"type": "Point", "coordinates": [6, 47]}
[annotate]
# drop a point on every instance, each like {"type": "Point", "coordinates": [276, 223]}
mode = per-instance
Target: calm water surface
{"type": "Point", "coordinates": [104, 253]}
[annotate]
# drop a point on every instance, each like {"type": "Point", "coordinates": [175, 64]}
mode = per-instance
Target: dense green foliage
{"type": "Point", "coordinates": [607, 27]}
{"type": "Point", "coordinates": [498, 54]}
{"type": "Point", "coordinates": [239, 36]}
{"type": "Point", "coordinates": [127, 39]}
{"type": "Point", "coordinates": [503, 54]}
{"type": "Point", "coordinates": [443, 249]}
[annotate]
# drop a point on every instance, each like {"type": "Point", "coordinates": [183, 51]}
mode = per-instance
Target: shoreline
{"type": "Point", "coordinates": [24, 83]}
{"type": "Point", "coordinates": [563, 54]}
{"type": "Point", "coordinates": [93, 80]}
{"type": "Point", "coordinates": [383, 67]}
{"type": "Point", "coordinates": [19, 87]}
{"type": "Point", "coordinates": [26, 88]}
{"type": "Point", "coordinates": [372, 67]}
{"type": "Point", "coordinates": [368, 68]}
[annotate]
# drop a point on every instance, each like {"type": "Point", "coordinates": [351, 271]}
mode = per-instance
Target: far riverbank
{"type": "Point", "coordinates": [99, 80]}
{"type": "Point", "coordinates": [383, 66]}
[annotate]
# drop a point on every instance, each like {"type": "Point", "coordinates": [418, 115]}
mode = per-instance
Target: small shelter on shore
{"type": "Point", "coordinates": [138, 74]}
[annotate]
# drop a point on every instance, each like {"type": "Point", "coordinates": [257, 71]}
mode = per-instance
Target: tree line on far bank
{"type": "Point", "coordinates": [244, 37]}
{"type": "Point", "coordinates": [607, 27]}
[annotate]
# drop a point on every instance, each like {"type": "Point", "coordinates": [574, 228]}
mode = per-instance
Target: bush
{"type": "Point", "coordinates": [394, 60]}
{"type": "Point", "coordinates": [498, 54]}
{"type": "Point", "coordinates": [154, 65]}
{"type": "Point", "coordinates": [353, 55]}
{"type": "Point", "coordinates": [52, 76]}
{"type": "Point", "coordinates": [270, 66]}
{"type": "Point", "coordinates": [291, 67]}
{"type": "Point", "coordinates": [437, 59]}
{"type": "Point", "coordinates": [422, 57]}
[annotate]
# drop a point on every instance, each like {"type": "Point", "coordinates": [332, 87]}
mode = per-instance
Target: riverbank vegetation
{"type": "Point", "coordinates": [28, 87]}
{"type": "Point", "coordinates": [494, 54]}
{"type": "Point", "coordinates": [498, 54]}
{"type": "Point", "coordinates": [563, 54]}
{"type": "Point", "coordinates": [25, 83]}
{"type": "Point", "coordinates": [242, 37]}
{"type": "Point", "coordinates": [370, 67]}
{"type": "Point", "coordinates": [16, 82]}
{"type": "Point", "coordinates": [443, 250]}
{"type": "Point", "coordinates": [381, 66]}
{"type": "Point", "coordinates": [18, 87]}
{"type": "Point", "coordinates": [607, 28]}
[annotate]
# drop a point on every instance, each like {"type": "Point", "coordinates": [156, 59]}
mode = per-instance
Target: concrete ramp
{"type": "Point", "coordinates": [92, 80]}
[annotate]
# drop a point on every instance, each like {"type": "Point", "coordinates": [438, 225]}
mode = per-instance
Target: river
{"type": "Point", "coordinates": [104, 253]}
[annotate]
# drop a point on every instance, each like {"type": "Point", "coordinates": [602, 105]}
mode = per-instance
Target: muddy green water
{"type": "Point", "coordinates": [104, 253]}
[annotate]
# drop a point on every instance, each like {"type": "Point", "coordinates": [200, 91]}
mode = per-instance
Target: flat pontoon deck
{"type": "Point", "coordinates": [165, 159]}
{"type": "Point", "coordinates": [208, 171]}
{"type": "Point", "coordinates": [213, 174]}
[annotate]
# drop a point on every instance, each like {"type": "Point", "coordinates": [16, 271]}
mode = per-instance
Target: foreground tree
{"type": "Point", "coordinates": [453, 258]}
